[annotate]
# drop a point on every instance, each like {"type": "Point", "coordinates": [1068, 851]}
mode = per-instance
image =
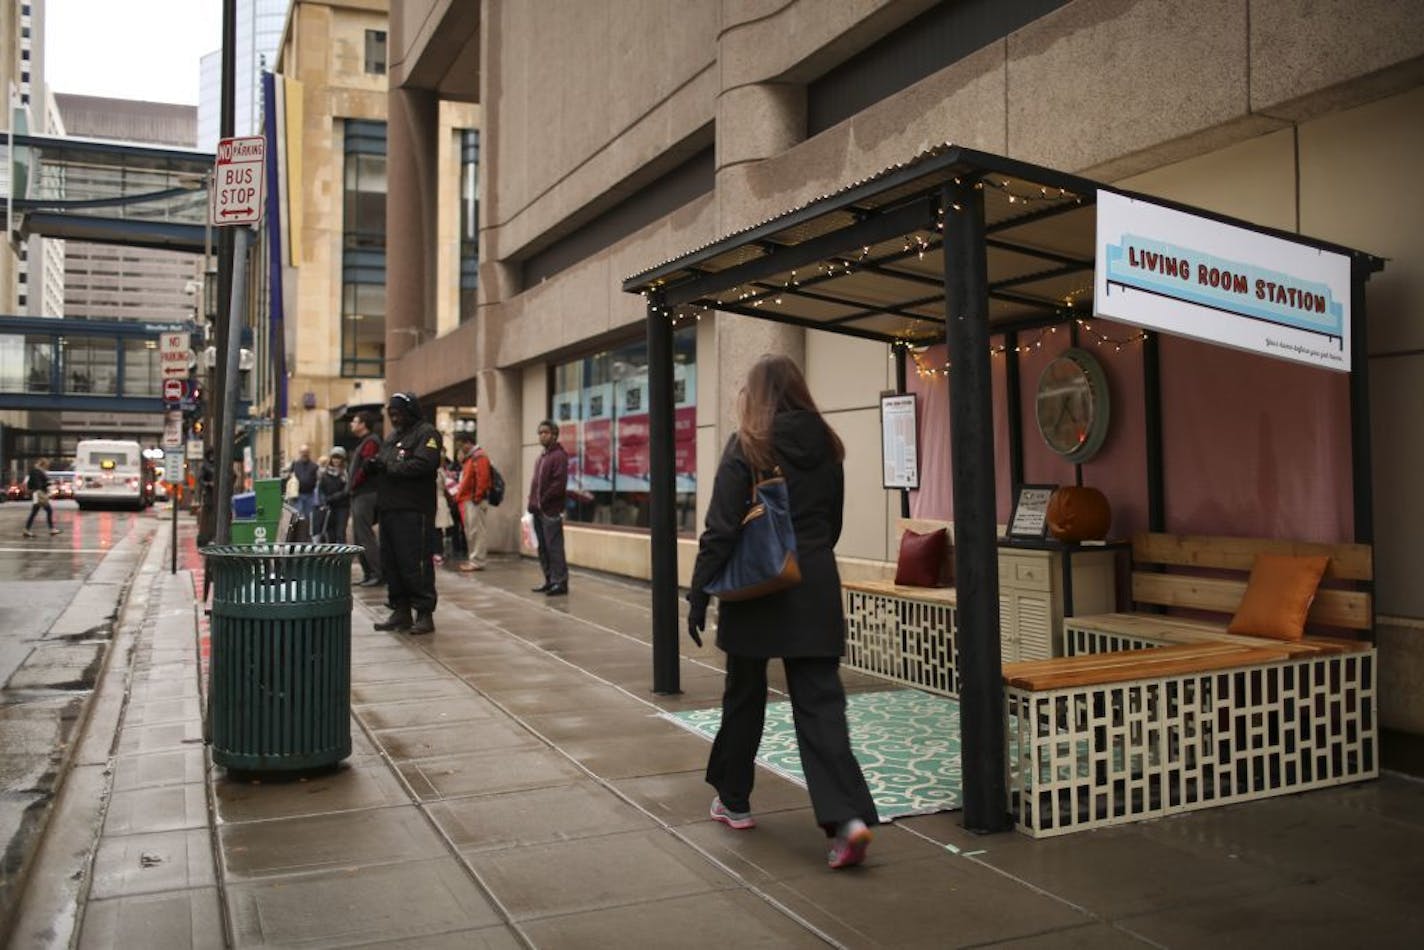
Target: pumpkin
{"type": "Point", "coordinates": [1078, 513]}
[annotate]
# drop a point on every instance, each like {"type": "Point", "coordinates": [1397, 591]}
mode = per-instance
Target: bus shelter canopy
{"type": "Point", "coordinates": [867, 261]}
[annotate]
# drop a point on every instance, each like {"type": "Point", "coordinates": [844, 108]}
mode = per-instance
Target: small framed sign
{"type": "Point", "coordinates": [899, 440]}
{"type": "Point", "coordinates": [1030, 515]}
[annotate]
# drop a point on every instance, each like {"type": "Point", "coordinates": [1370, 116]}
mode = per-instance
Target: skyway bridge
{"type": "Point", "coordinates": [110, 192]}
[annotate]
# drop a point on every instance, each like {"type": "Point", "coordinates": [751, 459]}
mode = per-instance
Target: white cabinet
{"type": "Point", "coordinates": [1033, 589]}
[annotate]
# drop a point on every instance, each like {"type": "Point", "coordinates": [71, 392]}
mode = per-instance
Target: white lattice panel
{"type": "Point", "coordinates": [1080, 640]}
{"type": "Point", "coordinates": [908, 641]}
{"type": "Point", "coordinates": [1090, 756]}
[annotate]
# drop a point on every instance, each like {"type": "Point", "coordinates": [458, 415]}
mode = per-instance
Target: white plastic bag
{"type": "Point", "coordinates": [526, 529]}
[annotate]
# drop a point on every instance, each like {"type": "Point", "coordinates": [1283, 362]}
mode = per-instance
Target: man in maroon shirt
{"type": "Point", "coordinates": [548, 491]}
{"type": "Point", "coordinates": [363, 497]}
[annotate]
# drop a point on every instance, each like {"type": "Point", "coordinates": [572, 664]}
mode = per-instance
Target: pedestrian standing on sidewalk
{"type": "Point", "coordinates": [472, 494]}
{"type": "Point", "coordinates": [405, 498]}
{"type": "Point", "coordinates": [306, 472]}
{"type": "Point", "coordinates": [780, 427]}
{"type": "Point", "coordinates": [335, 502]}
{"type": "Point", "coordinates": [548, 493]}
{"type": "Point", "coordinates": [363, 497]}
{"type": "Point", "coordinates": [38, 484]}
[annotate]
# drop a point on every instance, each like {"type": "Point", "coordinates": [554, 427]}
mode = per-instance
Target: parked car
{"type": "Point", "coordinates": [18, 491]}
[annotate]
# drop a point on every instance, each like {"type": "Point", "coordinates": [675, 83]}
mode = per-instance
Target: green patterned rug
{"type": "Point", "coordinates": [907, 743]}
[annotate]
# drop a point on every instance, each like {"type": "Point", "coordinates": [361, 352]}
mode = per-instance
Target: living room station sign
{"type": "Point", "coordinates": [239, 188]}
{"type": "Point", "coordinates": [1184, 274]}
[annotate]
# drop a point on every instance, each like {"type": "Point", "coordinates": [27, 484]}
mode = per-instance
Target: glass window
{"type": "Point", "coordinates": [601, 405]}
{"type": "Point", "coordinates": [141, 372]}
{"type": "Point", "coordinates": [363, 270]}
{"type": "Point", "coordinates": [25, 363]}
{"type": "Point", "coordinates": [376, 52]}
{"type": "Point", "coordinates": [88, 365]}
{"type": "Point", "coordinates": [469, 221]}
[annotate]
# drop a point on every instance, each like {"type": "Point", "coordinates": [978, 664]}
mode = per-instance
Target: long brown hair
{"type": "Point", "coordinates": [774, 384]}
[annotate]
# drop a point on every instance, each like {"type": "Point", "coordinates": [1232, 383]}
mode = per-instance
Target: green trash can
{"type": "Point", "coordinates": [279, 685]}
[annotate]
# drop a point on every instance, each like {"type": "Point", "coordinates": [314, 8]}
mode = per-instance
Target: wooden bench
{"type": "Point", "coordinates": [1155, 713]}
{"type": "Point", "coordinates": [904, 634]}
{"type": "Point", "coordinates": [1207, 575]}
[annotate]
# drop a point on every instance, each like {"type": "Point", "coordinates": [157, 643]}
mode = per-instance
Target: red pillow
{"type": "Point", "coordinates": [921, 558]}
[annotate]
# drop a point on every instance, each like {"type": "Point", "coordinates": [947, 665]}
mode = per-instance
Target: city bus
{"type": "Point", "coordinates": [109, 472]}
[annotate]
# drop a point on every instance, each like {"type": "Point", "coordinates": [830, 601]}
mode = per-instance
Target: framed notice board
{"type": "Point", "coordinates": [899, 441]}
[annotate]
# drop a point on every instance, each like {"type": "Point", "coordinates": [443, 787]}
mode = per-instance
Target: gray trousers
{"type": "Point", "coordinates": [363, 531]}
{"type": "Point", "coordinates": [551, 549]}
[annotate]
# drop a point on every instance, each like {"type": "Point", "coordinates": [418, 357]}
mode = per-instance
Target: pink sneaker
{"type": "Point", "coordinates": [740, 820]}
{"type": "Point", "coordinates": [850, 844]}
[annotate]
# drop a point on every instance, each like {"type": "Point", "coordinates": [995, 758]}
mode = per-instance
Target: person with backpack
{"type": "Point", "coordinates": [474, 496]}
{"type": "Point", "coordinates": [38, 484]}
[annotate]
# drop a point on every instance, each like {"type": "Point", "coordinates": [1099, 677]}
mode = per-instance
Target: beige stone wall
{"type": "Point", "coordinates": [1295, 114]}
{"type": "Point", "coordinates": [325, 50]}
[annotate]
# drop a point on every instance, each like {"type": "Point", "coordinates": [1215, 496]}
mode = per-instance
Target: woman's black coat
{"type": "Point", "coordinates": [806, 620]}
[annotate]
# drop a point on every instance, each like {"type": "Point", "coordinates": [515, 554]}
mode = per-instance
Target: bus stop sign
{"type": "Point", "coordinates": [239, 187]}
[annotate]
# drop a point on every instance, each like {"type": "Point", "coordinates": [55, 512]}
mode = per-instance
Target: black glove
{"type": "Point", "coordinates": [696, 616]}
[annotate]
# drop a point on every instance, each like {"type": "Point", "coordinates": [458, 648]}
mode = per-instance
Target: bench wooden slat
{"type": "Point", "coordinates": [1335, 608]}
{"type": "Point", "coordinates": [933, 595]}
{"type": "Point", "coordinates": [1199, 663]}
{"type": "Point", "coordinates": [1181, 630]}
{"type": "Point", "coordinates": [1091, 661]}
{"type": "Point", "coordinates": [1347, 561]}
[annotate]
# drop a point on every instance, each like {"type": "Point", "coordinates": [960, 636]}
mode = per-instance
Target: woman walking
{"type": "Point", "coordinates": [38, 484]}
{"type": "Point", "coordinates": [780, 426]}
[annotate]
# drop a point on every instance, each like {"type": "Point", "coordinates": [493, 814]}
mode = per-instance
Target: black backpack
{"type": "Point", "coordinates": [496, 489]}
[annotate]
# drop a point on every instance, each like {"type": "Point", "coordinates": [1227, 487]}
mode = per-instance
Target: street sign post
{"type": "Point", "coordinates": [174, 356]}
{"type": "Point", "coordinates": [239, 181]}
{"type": "Point", "coordinates": [172, 429]}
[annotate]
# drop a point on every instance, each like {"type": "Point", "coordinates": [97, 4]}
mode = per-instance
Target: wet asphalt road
{"type": "Point", "coordinates": [40, 576]}
{"type": "Point", "coordinates": [59, 600]}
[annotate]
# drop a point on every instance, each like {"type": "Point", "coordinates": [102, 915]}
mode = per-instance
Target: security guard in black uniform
{"type": "Point", "coordinates": [405, 498]}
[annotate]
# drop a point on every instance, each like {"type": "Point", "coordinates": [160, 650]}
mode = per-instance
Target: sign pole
{"type": "Point", "coordinates": [227, 422]}
{"type": "Point", "coordinates": [173, 493]}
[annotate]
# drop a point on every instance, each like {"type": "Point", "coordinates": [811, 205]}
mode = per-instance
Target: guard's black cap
{"type": "Point", "coordinates": [405, 402]}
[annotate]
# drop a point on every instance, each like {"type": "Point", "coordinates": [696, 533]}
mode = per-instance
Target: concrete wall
{"type": "Point", "coordinates": [1291, 113]}
{"type": "Point", "coordinates": [325, 50]}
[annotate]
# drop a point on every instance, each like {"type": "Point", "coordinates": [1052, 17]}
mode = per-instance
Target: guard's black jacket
{"type": "Point", "coordinates": [408, 461]}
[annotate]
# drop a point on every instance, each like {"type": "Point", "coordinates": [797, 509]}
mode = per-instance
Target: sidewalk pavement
{"type": "Point", "coordinates": [511, 786]}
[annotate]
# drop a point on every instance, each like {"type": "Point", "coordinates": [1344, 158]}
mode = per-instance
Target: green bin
{"type": "Point", "coordinates": [269, 497]}
{"type": "Point", "coordinates": [279, 686]}
{"type": "Point", "coordinates": [253, 531]}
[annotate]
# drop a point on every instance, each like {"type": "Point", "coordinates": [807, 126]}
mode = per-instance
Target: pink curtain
{"type": "Point", "coordinates": [1252, 445]}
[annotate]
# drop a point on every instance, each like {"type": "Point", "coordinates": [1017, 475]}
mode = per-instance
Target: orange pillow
{"type": "Point", "coordinates": [1278, 596]}
{"type": "Point", "coordinates": [921, 558]}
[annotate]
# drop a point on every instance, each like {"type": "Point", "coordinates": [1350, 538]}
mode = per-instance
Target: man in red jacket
{"type": "Point", "coordinates": [472, 497]}
{"type": "Point", "coordinates": [362, 490]}
{"type": "Point", "coordinates": [548, 491]}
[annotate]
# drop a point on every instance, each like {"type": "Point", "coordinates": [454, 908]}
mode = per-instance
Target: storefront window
{"type": "Point", "coordinates": [601, 405]}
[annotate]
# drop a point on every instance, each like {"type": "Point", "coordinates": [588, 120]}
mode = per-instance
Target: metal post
{"type": "Point", "coordinates": [1013, 408]}
{"type": "Point", "coordinates": [1360, 447]}
{"type": "Point", "coordinates": [1152, 412]}
{"type": "Point", "coordinates": [901, 378]}
{"type": "Point", "coordinates": [976, 571]}
{"type": "Point", "coordinates": [662, 526]}
{"type": "Point", "coordinates": [221, 331]}
{"type": "Point", "coordinates": [174, 490]}
{"type": "Point", "coordinates": [227, 424]}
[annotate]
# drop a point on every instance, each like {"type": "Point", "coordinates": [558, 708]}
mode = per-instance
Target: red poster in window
{"type": "Point", "coordinates": [685, 440]}
{"type": "Point", "coordinates": [598, 448]}
{"type": "Point", "coordinates": [633, 446]}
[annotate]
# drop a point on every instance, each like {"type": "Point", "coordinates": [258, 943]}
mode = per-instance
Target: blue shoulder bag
{"type": "Point", "coordinates": [764, 559]}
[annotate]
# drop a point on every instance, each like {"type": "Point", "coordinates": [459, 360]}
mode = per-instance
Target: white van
{"type": "Point", "coordinates": [108, 472]}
